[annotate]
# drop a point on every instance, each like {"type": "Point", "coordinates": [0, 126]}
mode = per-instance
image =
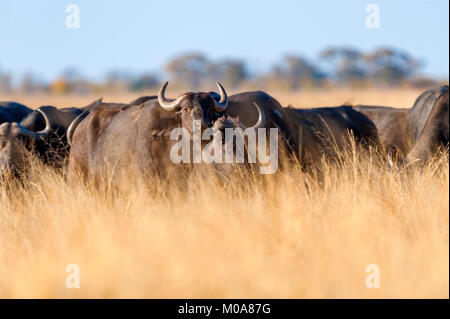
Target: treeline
{"type": "Point", "coordinates": [334, 67]}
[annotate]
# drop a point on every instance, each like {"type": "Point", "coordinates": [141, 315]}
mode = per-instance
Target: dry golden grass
{"type": "Point", "coordinates": [288, 235]}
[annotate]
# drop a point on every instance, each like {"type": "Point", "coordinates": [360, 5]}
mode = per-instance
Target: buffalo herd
{"type": "Point", "coordinates": [89, 140]}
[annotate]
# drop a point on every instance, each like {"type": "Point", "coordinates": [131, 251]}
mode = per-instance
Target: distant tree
{"type": "Point", "coordinates": [75, 81]}
{"type": "Point", "coordinates": [188, 68]}
{"type": "Point", "coordinates": [31, 84]}
{"type": "Point", "coordinates": [118, 80]}
{"type": "Point", "coordinates": [117, 76]}
{"type": "Point", "coordinates": [71, 74]}
{"type": "Point", "coordinates": [230, 72]}
{"type": "Point", "coordinates": [5, 82]}
{"type": "Point", "coordinates": [391, 66]}
{"type": "Point", "coordinates": [422, 82]}
{"type": "Point", "coordinates": [348, 65]}
{"type": "Point", "coordinates": [59, 86]}
{"type": "Point", "coordinates": [298, 72]}
{"type": "Point", "coordinates": [144, 81]}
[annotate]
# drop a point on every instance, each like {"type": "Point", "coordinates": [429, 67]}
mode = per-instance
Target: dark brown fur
{"type": "Point", "coordinates": [134, 136]}
{"type": "Point", "coordinates": [416, 134]}
{"type": "Point", "coordinates": [326, 132]}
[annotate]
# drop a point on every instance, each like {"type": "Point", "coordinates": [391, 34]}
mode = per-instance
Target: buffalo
{"type": "Point", "coordinates": [392, 125]}
{"type": "Point", "coordinates": [43, 132]}
{"type": "Point", "coordinates": [13, 112]}
{"type": "Point", "coordinates": [241, 146]}
{"type": "Point", "coordinates": [138, 135]}
{"type": "Point", "coordinates": [241, 106]}
{"type": "Point", "coordinates": [415, 134]}
{"type": "Point", "coordinates": [326, 132]}
{"type": "Point", "coordinates": [15, 140]}
{"type": "Point", "coordinates": [428, 122]}
{"type": "Point", "coordinates": [305, 135]}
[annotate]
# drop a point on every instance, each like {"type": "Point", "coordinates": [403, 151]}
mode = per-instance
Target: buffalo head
{"type": "Point", "coordinates": [222, 124]}
{"type": "Point", "coordinates": [202, 107]}
{"type": "Point", "coordinates": [14, 141]}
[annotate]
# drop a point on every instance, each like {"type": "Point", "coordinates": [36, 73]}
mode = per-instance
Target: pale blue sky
{"type": "Point", "coordinates": [137, 35]}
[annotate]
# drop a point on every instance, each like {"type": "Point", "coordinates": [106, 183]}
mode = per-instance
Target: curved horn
{"type": "Point", "coordinates": [166, 104]}
{"type": "Point", "coordinates": [223, 103]}
{"type": "Point", "coordinates": [261, 119]}
{"type": "Point", "coordinates": [41, 134]}
{"type": "Point", "coordinates": [74, 125]}
{"type": "Point", "coordinates": [48, 125]}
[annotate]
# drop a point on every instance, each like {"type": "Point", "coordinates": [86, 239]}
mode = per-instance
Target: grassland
{"type": "Point", "coordinates": [287, 236]}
